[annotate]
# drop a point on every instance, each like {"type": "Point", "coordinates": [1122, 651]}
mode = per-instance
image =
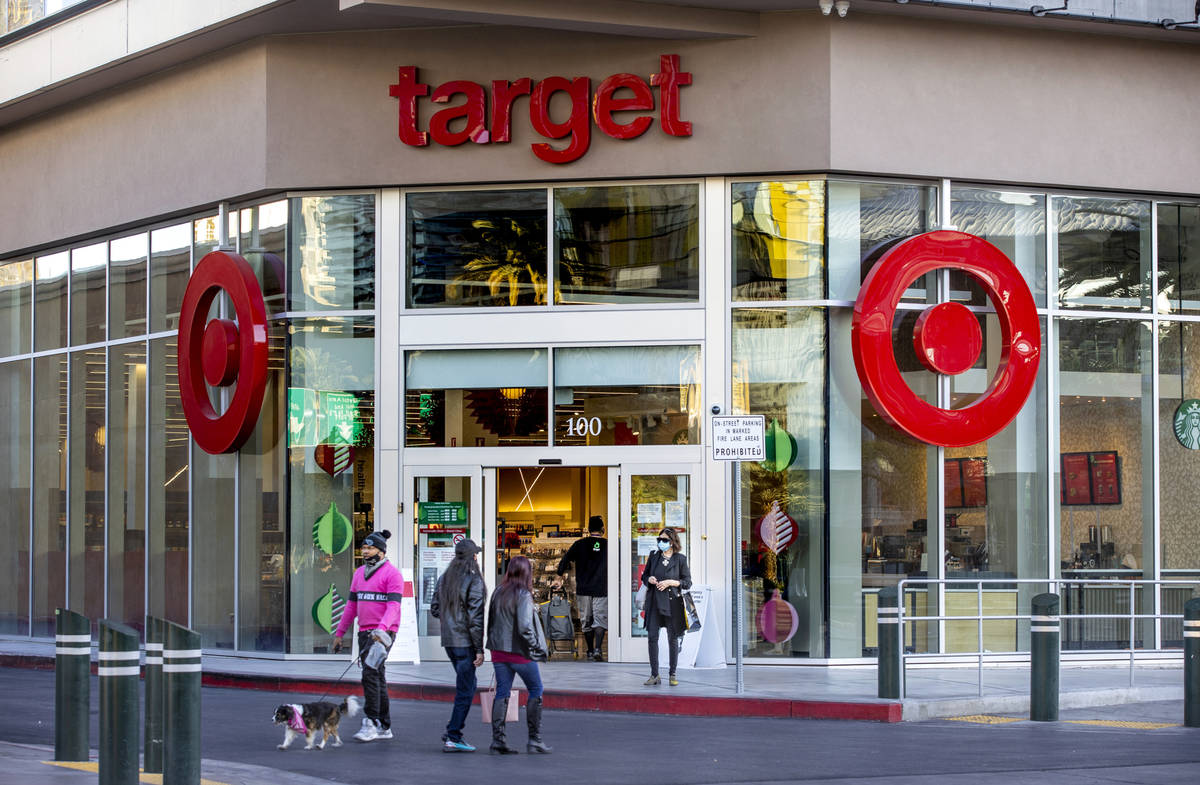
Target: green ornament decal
{"type": "Point", "coordinates": [332, 532]}
{"type": "Point", "coordinates": [1187, 423]}
{"type": "Point", "coordinates": [781, 448]}
{"type": "Point", "coordinates": [327, 611]}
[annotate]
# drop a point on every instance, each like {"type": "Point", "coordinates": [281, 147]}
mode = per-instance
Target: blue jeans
{"type": "Point", "coordinates": [528, 671]}
{"type": "Point", "coordinates": [463, 661]}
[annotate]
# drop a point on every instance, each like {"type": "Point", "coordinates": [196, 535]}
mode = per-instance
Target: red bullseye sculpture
{"type": "Point", "coordinates": [947, 338]}
{"type": "Point", "coordinates": [222, 352]}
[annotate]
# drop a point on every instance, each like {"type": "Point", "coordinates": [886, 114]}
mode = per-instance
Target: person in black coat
{"type": "Point", "coordinates": [666, 576]}
{"type": "Point", "coordinates": [458, 603]}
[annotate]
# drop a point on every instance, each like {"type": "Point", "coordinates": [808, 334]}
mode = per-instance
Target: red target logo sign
{"type": "Point", "coordinates": [222, 352]}
{"type": "Point", "coordinates": [947, 338]}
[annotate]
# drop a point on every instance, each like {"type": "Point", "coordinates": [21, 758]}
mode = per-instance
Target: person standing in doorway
{"type": "Point", "coordinates": [375, 595]}
{"type": "Point", "coordinates": [590, 557]}
{"type": "Point", "coordinates": [458, 602]}
{"type": "Point", "coordinates": [666, 576]}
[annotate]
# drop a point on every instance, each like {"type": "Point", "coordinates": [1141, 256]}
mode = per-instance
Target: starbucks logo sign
{"type": "Point", "coordinates": [1187, 423]}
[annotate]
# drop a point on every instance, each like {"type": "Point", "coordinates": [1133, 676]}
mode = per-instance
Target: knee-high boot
{"type": "Point", "coordinates": [499, 745]}
{"type": "Point", "coordinates": [533, 718]}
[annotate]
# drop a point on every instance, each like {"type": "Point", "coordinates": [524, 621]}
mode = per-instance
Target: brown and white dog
{"type": "Point", "coordinates": [306, 719]}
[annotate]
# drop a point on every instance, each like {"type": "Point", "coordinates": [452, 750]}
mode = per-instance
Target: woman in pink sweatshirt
{"type": "Point", "coordinates": [375, 595]}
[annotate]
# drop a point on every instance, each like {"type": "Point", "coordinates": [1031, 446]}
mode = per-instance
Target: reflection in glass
{"type": "Point", "coordinates": [15, 477]}
{"type": "Point", "coordinates": [1104, 253]}
{"type": "Point", "coordinates": [50, 298]}
{"type": "Point", "coordinates": [863, 218]}
{"type": "Point", "coordinates": [1178, 258]}
{"type": "Point", "coordinates": [167, 596]}
{"type": "Point", "coordinates": [475, 398]}
{"type": "Point", "coordinates": [476, 248]}
{"type": "Point", "coordinates": [627, 395]}
{"type": "Point", "coordinates": [127, 286]}
{"type": "Point", "coordinates": [627, 244]}
{"type": "Point", "coordinates": [1179, 443]}
{"type": "Point", "coordinates": [170, 268]}
{"type": "Point", "coordinates": [16, 299]}
{"type": "Point", "coordinates": [778, 240]}
{"type": "Point", "coordinates": [331, 475]}
{"type": "Point", "coordinates": [1013, 222]}
{"type": "Point", "coordinates": [263, 243]}
{"type": "Point", "coordinates": [656, 501]}
{"type": "Point", "coordinates": [88, 438]}
{"type": "Point", "coordinates": [442, 503]}
{"type": "Point", "coordinates": [332, 253]}
{"type": "Point", "coordinates": [88, 300]}
{"type": "Point", "coordinates": [49, 491]}
{"type": "Point", "coordinates": [125, 439]}
{"type": "Point", "coordinates": [779, 357]}
{"type": "Point", "coordinates": [213, 542]}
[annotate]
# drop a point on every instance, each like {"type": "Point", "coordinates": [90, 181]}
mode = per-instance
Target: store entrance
{"type": "Point", "coordinates": [540, 512]}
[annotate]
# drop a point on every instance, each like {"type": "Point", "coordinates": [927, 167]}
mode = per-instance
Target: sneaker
{"type": "Point", "coordinates": [450, 745]}
{"type": "Point", "coordinates": [369, 731]}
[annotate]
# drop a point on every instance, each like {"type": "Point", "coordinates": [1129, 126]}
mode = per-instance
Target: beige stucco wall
{"type": "Point", "coordinates": [869, 94]}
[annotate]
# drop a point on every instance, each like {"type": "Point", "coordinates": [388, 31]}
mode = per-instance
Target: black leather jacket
{"type": "Point", "coordinates": [463, 627]}
{"type": "Point", "coordinates": [522, 635]}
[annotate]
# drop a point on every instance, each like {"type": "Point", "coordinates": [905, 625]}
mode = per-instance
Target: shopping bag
{"type": "Point", "coordinates": [488, 695]}
{"type": "Point", "coordinates": [690, 616]}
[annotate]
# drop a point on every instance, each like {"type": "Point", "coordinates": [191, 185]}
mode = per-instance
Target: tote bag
{"type": "Point", "coordinates": [488, 695]}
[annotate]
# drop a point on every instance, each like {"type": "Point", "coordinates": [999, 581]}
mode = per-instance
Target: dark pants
{"type": "Point", "coordinates": [375, 692]}
{"type": "Point", "coordinates": [528, 671]}
{"type": "Point", "coordinates": [463, 660]}
{"type": "Point", "coordinates": [655, 621]}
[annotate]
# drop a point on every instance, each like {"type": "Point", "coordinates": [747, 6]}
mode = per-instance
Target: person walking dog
{"type": "Point", "coordinates": [518, 643]}
{"type": "Point", "coordinates": [375, 595]}
{"type": "Point", "coordinates": [458, 603]}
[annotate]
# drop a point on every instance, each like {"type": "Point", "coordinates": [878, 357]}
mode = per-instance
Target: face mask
{"type": "Point", "coordinates": [371, 561]}
{"type": "Point", "coordinates": [663, 546]}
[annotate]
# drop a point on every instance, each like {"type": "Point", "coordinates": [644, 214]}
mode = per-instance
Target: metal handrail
{"type": "Point", "coordinates": [1052, 585]}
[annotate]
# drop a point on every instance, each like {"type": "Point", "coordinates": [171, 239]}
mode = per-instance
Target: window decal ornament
{"type": "Point", "coordinates": [947, 338]}
{"type": "Point", "coordinates": [222, 352]}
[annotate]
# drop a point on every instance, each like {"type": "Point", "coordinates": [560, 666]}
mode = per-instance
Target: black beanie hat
{"type": "Point", "coordinates": [378, 540]}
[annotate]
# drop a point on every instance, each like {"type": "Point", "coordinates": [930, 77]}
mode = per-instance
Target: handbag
{"type": "Point", "coordinates": [488, 695]}
{"type": "Point", "coordinates": [690, 616]}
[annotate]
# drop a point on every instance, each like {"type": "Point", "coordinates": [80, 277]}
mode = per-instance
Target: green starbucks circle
{"type": "Point", "coordinates": [1187, 423]}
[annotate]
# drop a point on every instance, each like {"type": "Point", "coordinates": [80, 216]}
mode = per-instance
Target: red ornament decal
{"type": "Point", "coordinates": [333, 458]}
{"type": "Point", "coordinates": [947, 338]}
{"type": "Point", "coordinates": [222, 352]}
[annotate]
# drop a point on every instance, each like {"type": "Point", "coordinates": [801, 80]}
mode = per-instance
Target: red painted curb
{"type": "Point", "coordinates": [627, 703]}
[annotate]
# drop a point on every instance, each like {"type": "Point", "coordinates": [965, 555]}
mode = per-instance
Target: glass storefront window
{"type": "Point", "coordinates": [16, 303]}
{"type": "Point", "coordinates": [331, 471]}
{"type": "Point", "coordinates": [864, 217]}
{"type": "Point", "coordinates": [656, 501]}
{"type": "Point", "coordinates": [50, 312]}
{"type": "Point", "coordinates": [1178, 258]}
{"type": "Point", "coordinates": [1103, 250]}
{"type": "Point", "coordinates": [214, 540]}
{"type": "Point", "coordinates": [1179, 443]}
{"type": "Point", "coordinates": [89, 305]}
{"type": "Point", "coordinates": [332, 253]}
{"type": "Point", "coordinates": [263, 243]}
{"type": "Point", "coordinates": [15, 477]}
{"type": "Point", "coordinates": [170, 268]}
{"type": "Point", "coordinates": [476, 248]}
{"type": "Point", "coordinates": [779, 357]}
{"type": "Point", "coordinates": [127, 286]}
{"type": "Point", "coordinates": [85, 454]}
{"type": "Point", "coordinates": [627, 244]}
{"type": "Point", "coordinates": [49, 491]}
{"type": "Point", "coordinates": [778, 240]}
{"type": "Point", "coordinates": [475, 398]}
{"type": "Point", "coordinates": [167, 526]}
{"type": "Point", "coordinates": [627, 395]}
{"type": "Point", "coordinates": [1013, 222]}
{"type": "Point", "coordinates": [125, 443]}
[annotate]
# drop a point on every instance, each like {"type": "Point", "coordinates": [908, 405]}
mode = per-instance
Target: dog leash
{"type": "Point", "coordinates": [339, 678]}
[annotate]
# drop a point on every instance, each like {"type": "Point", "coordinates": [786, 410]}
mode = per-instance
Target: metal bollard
{"type": "Point", "coordinates": [152, 739]}
{"type": "Point", "coordinates": [119, 672]}
{"type": "Point", "coordinates": [1191, 663]}
{"type": "Point", "coordinates": [181, 719]}
{"type": "Point", "coordinates": [72, 684]}
{"type": "Point", "coordinates": [889, 642]}
{"type": "Point", "coordinates": [1045, 641]}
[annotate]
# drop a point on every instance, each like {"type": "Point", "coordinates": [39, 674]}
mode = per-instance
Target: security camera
{"type": "Point", "coordinates": [716, 409]}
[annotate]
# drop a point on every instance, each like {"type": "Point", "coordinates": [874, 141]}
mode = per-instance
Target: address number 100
{"type": "Point", "coordinates": [583, 426]}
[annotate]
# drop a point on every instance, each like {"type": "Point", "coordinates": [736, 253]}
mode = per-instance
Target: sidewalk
{"type": "Point", "coordinates": [818, 692]}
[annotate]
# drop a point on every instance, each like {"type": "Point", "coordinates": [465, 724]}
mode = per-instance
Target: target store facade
{"type": "Point", "coordinates": [264, 290]}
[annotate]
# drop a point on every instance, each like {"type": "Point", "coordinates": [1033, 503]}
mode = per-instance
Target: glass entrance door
{"type": "Point", "coordinates": [653, 496]}
{"type": "Point", "coordinates": [442, 505]}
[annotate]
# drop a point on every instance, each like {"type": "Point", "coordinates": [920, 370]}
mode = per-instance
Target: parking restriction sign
{"type": "Point", "coordinates": [739, 438]}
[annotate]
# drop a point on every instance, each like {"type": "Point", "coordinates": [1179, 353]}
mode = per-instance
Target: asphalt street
{"type": "Point", "coordinates": [662, 750]}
